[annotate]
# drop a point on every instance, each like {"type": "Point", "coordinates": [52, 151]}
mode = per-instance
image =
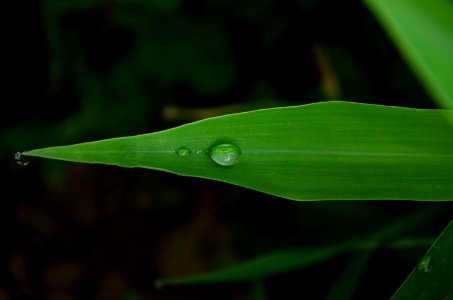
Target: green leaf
{"type": "Point", "coordinates": [258, 290]}
{"type": "Point", "coordinates": [346, 283]}
{"type": "Point", "coordinates": [330, 150]}
{"type": "Point", "coordinates": [261, 267]}
{"type": "Point", "coordinates": [432, 278]}
{"type": "Point", "coordinates": [423, 31]}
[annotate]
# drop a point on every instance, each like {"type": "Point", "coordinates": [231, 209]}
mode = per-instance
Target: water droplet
{"type": "Point", "coordinates": [225, 154]}
{"type": "Point", "coordinates": [183, 151]}
{"type": "Point", "coordinates": [21, 160]}
{"type": "Point", "coordinates": [425, 264]}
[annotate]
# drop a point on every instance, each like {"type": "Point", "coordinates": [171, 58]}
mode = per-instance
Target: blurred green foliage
{"type": "Point", "coordinates": [423, 32]}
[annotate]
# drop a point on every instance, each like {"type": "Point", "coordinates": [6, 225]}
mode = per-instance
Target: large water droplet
{"type": "Point", "coordinates": [425, 264]}
{"type": "Point", "coordinates": [225, 154]}
{"type": "Point", "coordinates": [20, 159]}
{"type": "Point", "coordinates": [183, 151]}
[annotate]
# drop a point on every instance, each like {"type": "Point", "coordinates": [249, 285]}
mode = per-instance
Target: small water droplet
{"type": "Point", "coordinates": [21, 159]}
{"type": "Point", "coordinates": [425, 264]}
{"type": "Point", "coordinates": [225, 154]}
{"type": "Point", "coordinates": [183, 151]}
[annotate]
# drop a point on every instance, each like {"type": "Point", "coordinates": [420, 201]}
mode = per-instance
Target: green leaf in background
{"type": "Point", "coordinates": [346, 283]}
{"type": "Point", "coordinates": [330, 150]}
{"type": "Point", "coordinates": [423, 31]}
{"type": "Point", "coordinates": [432, 278]}
{"type": "Point", "coordinates": [258, 290]}
{"type": "Point", "coordinates": [256, 270]}
{"type": "Point", "coordinates": [261, 267]}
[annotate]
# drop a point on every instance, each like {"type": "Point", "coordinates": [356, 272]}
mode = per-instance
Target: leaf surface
{"type": "Point", "coordinates": [322, 151]}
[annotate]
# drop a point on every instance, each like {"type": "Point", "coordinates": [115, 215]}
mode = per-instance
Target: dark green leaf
{"type": "Point", "coordinates": [260, 267]}
{"type": "Point", "coordinates": [432, 278]}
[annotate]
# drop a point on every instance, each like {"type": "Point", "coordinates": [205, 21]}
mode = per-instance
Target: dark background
{"type": "Point", "coordinates": [85, 70]}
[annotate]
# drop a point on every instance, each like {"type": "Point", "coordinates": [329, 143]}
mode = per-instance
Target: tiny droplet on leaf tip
{"type": "Point", "coordinates": [21, 159]}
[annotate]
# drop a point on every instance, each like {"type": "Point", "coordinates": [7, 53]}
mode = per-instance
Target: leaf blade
{"type": "Point", "coordinates": [260, 267]}
{"type": "Point", "coordinates": [423, 32]}
{"type": "Point", "coordinates": [330, 150]}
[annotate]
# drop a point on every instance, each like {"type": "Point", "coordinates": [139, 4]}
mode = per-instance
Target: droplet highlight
{"type": "Point", "coordinates": [225, 154]}
{"type": "Point", "coordinates": [20, 159]}
{"type": "Point", "coordinates": [183, 151]}
{"type": "Point", "coordinates": [426, 264]}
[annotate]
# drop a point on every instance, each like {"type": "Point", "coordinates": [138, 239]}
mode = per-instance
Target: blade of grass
{"type": "Point", "coordinates": [282, 261]}
{"type": "Point", "coordinates": [322, 151]}
{"type": "Point", "coordinates": [258, 290]}
{"type": "Point", "coordinates": [257, 269]}
{"type": "Point", "coordinates": [260, 267]}
{"type": "Point", "coordinates": [423, 32]}
{"type": "Point", "coordinates": [345, 285]}
{"type": "Point", "coordinates": [412, 221]}
{"type": "Point", "coordinates": [411, 243]}
{"type": "Point", "coordinates": [432, 278]}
